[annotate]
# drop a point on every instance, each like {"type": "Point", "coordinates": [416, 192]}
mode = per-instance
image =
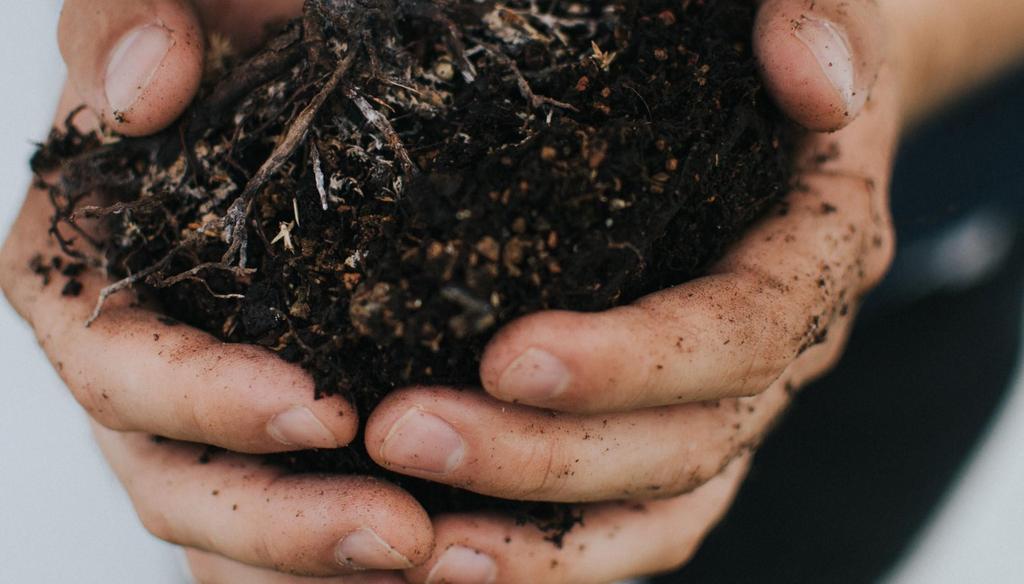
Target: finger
{"type": "Point", "coordinates": [733, 332]}
{"type": "Point", "coordinates": [246, 22]}
{"type": "Point", "coordinates": [240, 508]}
{"type": "Point", "coordinates": [469, 440]}
{"type": "Point", "coordinates": [210, 568]}
{"type": "Point", "coordinates": [615, 541]}
{"type": "Point", "coordinates": [138, 63]}
{"type": "Point", "coordinates": [133, 370]}
{"type": "Point", "coordinates": [820, 59]}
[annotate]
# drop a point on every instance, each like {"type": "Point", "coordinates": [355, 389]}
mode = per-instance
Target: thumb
{"type": "Point", "coordinates": [820, 58]}
{"type": "Point", "coordinates": [138, 63]}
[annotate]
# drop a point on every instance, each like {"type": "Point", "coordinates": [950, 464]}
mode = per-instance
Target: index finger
{"type": "Point", "coordinates": [133, 370]}
{"type": "Point", "coordinates": [241, 508]}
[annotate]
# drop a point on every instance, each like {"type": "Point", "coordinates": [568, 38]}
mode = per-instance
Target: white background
{"type": "Point", "coordinates": [64, 519]}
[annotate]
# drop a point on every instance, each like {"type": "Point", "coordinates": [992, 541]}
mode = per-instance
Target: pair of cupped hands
{"type": "Point", "coordinates": [661, 401]}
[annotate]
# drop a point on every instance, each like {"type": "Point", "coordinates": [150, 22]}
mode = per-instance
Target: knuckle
{"type": "Point", "coordinates": [823, 359]}
{"type": "Point", "coordinates": [201, 571]}
{"type": "Point", "coordinates": [761, 291]}
{"type": "Point", "coordinates": [681, 555]}
{"type": "Point", "coordinates": [881, 255]}
{"type": "Point", "coordinates": [542, 474]}
{"type": "Point", "coordinates": [818, 369]}
{"type": "Point", "coordinates": [194, 419]}
{"type": "Point", "coordinates": [209, 409]}
{"type": "Point", "coordinates": [155, 522]}
{"type": "Point", "coordinates": [275, 553]}
{"type": "Point", "coordinates": [97, 403]}
{"type": "Point", "coordinates": [674, 553]}
{"type": "Point", "coordinates": [689, 477]}
{"type": "Point", "coordinates": [742, 313]}
{"type": "Point", "coordinates": [835, 351]}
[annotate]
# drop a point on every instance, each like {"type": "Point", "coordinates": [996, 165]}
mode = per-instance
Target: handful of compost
{"type": "Point", "coordinates": [387, 182]}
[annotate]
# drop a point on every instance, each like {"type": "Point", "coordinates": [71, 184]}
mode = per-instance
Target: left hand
{"type": "Point", "coordinates": [657, 398]}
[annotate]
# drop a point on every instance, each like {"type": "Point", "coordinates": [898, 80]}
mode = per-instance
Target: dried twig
{"type": "Point", "coordinates": [379, 121]}
{"type": "Point", "coordinates": [128, 282]}
{"type": "Point", "coordinates": [535, 101]}
{"type": "Point", "coordinates": [94, 212]}
{"type": "Point", "coordinates": [193, 272]}
{"type": "Point", "coordinates": [318, 175]}
{"type": "Point", "coordinates": [238, 213]}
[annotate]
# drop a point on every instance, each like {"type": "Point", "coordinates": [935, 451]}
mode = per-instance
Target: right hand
{"type": "Point", "coordinates": [138, 376]}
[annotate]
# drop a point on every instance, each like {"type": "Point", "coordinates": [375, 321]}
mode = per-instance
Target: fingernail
{"type": "Point", "coordinates": [133, 62]}
{"type": "Point", "coordinates": [298, 426]}
{"type": "Point", "coordinates": [535, 375]}
{"type": "Point", "coordinates": [423, 442]}
{"type": "Point", "coordinates": [828, 43]}
{"type": "Point", "coordinates": [462, 565]}
{"type": "Point", "coordinates": [365, 550]}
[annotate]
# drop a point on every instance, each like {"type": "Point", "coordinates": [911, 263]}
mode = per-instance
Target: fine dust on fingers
{"type": "Point", "coordinates": [471, 441]}
{"type": "Point", "coordinates": [241, 508]}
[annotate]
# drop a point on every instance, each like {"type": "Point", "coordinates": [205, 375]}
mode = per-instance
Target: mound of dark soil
{"type": "Point", "coordinates": [388, 182]}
